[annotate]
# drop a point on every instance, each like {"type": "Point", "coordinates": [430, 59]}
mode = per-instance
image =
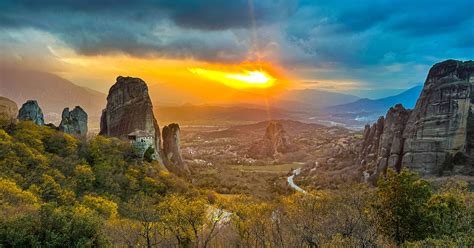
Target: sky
{"type": "Point", "coordinates": [367, 48]}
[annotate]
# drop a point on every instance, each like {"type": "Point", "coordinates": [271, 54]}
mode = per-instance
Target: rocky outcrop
{"type": "Point", "coordinates": [440, 127]}
{"type": "Point", "coordinates": [391, 144]}
{"type": "Point", "coordinates": [74, 122]}
{"type": "Point", "coordinates": [8, 109]}
{"type": "Point", "coordinates": [129, 108]}
{"type": "Point", "coordinates": [370, 145]}
{"type": "Point", "coordinates": [275, 142]}
{"type": "Point", "coordinates": [30, 111]}
{"type": "Point", "coordinates": [171, 148]}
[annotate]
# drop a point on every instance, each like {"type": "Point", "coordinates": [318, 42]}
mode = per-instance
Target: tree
{"type": "Point", "coordinates": [105, 207]}
{"type": "Point", "coordinates": [251, 221]}
{"type": "Point", "coordinates": [142, 208]}
{"type": "Point", "coordinates": [14, 200]}
{"type": "Point", "coordinates": [149, 154]}
{"type": "Point", "coordinates": [399, 206]}
{"type": "Point", "coordinates": [84, 177]}
{"type": "Point", "coordinates": [186, 219]}
{"type": "Point", "coordinates": [54, 226]}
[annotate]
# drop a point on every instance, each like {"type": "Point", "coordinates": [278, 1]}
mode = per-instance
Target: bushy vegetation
{"type": "Point", "coordinates": [60, 191]}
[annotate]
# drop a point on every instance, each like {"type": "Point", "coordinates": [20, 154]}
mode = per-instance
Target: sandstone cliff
{"type": "Point", "coordinates": [129, 108]}
{"type": "Point", "coordinates": [437, 136]}
{"type": "Point", "coordinates": [8, 109]}
{"type": "Point", "coordinates": [171, 148]}
{"type": "Point", "coordinates": [74, 122]}
{"type": "Point", "coordinates": [439, 124]}
{"type": "Point", "coordinates": [30, 111]}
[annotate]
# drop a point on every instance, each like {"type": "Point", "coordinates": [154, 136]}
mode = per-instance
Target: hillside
{"type": "Point", "coordinates": [53, 93]}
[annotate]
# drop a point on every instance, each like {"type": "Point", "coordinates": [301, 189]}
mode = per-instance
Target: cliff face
{"type": "Point", "coordinates": [74, 122]}
{"type": "Point", "coordinates": [441, 126]}
{"type": "Point", "coordinates": [8, 109]}
{"type": "Point", "coordinates": [171, 148]}
{"type": "Point", "coordinates": [30, 111]}
{"type": "Point", "coordinates": [129, 108]}
{"type": "Point", "coordinates": [441, 119]}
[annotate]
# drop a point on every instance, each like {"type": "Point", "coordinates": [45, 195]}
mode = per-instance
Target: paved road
{"type": "Point", "coordinates": [292, 184]}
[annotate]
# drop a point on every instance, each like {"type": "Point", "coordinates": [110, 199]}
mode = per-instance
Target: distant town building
{"type": "Point", "coordinates": [141, 141]}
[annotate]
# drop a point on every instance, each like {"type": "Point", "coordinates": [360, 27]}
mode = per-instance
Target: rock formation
{"type": "Point", "coordinates": [441, 119]}
{"type": "Point", "coordinates": [275, 141]}
{"type": "Point", "coordinates": [8, 109]}
{"type": "Point", "coordinates": [171, 148]}
{"type": "Point", "coordinates": [129, 108]}
{"type": "Point", "coordinates": [441, 126]}
{"type": "Point", "coordinates": [74, 122]}
{"type": "Point", "coordinates": [391, 143]}
{"type": "Point", "coordinates": [30, 111]}
{"type": "Point", "coordinates": [371, 139]}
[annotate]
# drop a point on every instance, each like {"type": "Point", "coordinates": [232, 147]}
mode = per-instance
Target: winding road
{"type": "Point", "coordinates": [292, 184]}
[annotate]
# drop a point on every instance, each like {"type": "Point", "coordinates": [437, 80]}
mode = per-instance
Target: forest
{"type": "Point", "coordinates": [57, 190]}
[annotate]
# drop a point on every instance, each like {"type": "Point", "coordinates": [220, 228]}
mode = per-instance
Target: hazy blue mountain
{"type": "Point", "coordinates": [52, 92]}
{"type": "Point", "coordinates": [313, 99]}
{"type": "Point", "coordinates": [407, 99]}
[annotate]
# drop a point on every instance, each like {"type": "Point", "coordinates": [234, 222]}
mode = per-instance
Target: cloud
{"type": "Point", "coordinates": [377, 42]}
{"type": "Point", "coordinates": [180, 29]}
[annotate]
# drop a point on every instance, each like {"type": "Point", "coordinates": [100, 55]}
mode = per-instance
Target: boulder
{"type": "Point", "coordinates": [74, 122]}
{"type": "Point", "coordinates": [8, 109]}
{"type": "Point", "coordinates": [30, 111]}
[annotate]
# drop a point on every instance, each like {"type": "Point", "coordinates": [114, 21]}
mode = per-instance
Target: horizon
{"type": "Point", "coordinates": [380, 50]}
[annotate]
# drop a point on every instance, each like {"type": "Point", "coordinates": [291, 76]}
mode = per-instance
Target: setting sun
{"type": "Point", "coordinates": [239, 80]}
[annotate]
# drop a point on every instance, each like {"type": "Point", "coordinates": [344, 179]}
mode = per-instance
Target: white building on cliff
{"type": "Point", "coordinates": [141, 140]}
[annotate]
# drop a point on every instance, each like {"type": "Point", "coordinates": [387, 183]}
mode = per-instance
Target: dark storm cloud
{"type": "Point", "coordinates": [366, 33]}
{"type": "Point", "coordinates": [202, 14]}
{"type": "Point", "coordinates": [100, 27]}
{"type": "Point", "coordinates": [372, 40]}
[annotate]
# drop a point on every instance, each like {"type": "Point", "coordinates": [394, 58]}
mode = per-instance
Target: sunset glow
{"type": "Point", "coordinates": [238, 80]}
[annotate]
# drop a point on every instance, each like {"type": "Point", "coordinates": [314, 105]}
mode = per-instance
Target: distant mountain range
{"type": "Point", "coordinates": [364, 110]}
{"type": "Point", "coordinates": [407, 99]}
{"type": "Point", "coordinates": [53, 93]}
{"type": "Point", "coordinates": [208, 114]}
{"type": "Point", "coordinates": [314, 99]}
